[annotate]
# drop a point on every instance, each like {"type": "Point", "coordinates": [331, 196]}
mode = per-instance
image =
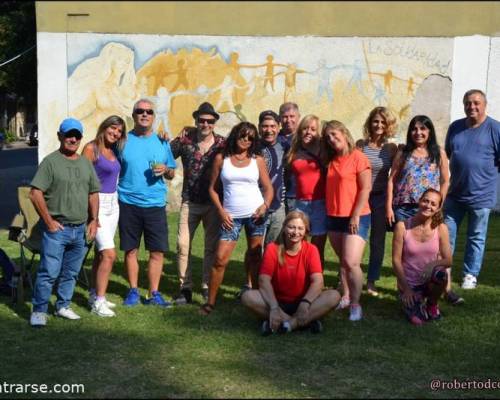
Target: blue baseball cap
{"type": "Point", "coordinates": [70, 124]}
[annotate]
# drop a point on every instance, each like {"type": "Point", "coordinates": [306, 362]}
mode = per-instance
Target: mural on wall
{"type": "Point", "coordinates": [334, 78]}
{"type": "Point", "coordinates": [341, 78]}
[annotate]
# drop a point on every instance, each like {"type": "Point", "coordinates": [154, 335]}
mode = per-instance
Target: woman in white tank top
{"type": "Point", "coordinates": [242, 173]}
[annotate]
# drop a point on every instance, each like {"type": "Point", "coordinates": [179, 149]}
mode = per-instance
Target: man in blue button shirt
{"type": "Point", "coordinates": [473, 147]}
{"type": "Point", "coordinates": [145, 160]}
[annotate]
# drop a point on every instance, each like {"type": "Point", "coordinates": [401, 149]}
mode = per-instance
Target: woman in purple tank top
{"type": "Point", "coordinates": [421, 255]}
{"type": "Point", "coordinates": [111, 136]}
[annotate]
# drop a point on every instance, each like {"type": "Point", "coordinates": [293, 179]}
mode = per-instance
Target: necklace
{"type": "Point", "coordinates": [240, 160]}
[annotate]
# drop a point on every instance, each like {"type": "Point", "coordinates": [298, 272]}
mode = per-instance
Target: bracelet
{"type": "Point", "coordinates": [304, 300]}
{"type": "Point", "coordinates": [274, 308]}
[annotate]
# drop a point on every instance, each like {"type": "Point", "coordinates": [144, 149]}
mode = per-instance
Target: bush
{"type": "Point", "coordinates": [10, 137]}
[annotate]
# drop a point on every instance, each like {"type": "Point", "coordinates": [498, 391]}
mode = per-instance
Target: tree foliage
{"type": "Point", "coordinates": [18, 33]}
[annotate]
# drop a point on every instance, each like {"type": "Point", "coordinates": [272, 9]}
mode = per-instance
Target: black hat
{"type": "Point", "coordinates": [268, 114]}
{"type": "Point", "coordinates": [205, 108]}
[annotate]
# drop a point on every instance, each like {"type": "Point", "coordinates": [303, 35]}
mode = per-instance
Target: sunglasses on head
{"type": "Point", "coordinates": [140, 111]}
{"type": "Point", "coordinates": [209, 121]}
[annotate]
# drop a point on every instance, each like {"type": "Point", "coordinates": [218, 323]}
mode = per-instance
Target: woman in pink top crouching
{"type": "Point", "coordinates": [421, 254]}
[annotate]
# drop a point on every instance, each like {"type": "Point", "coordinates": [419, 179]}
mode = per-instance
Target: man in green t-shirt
{"type": "Point", "coordinates": [65, 193]}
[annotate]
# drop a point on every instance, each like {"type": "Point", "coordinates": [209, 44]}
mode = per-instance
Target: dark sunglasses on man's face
{"type": "Point", "coordinates": [209, 121]}
{"type": "Point", "coordinates": [76, 135]}
{"type": "Point", "coordinates": [140, 111]}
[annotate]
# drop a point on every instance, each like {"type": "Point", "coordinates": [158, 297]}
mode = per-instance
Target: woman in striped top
{"type": "Point", "coordinates": [378, 128]}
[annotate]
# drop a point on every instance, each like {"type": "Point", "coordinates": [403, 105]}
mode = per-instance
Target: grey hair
{"type": "Point", "coordinates": [474, 91]}
{"type": "Point", "coordinates": [144, 100]}
{"type": "Point", "coordinates": [289, 106]}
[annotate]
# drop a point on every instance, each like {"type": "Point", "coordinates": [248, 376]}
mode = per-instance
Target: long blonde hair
{"type": "Point", "coordinates": [99, 137]}
{"type": "Point", "coordinates": [280, 240]}
{"type": "Point", "coordinates": [297, 137]}
{"type": "Point", "coordinates": [329, 153]}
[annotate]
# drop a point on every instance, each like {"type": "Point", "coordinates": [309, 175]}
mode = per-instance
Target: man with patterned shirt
{"type": "Point", "coordinates": [197, 149]}
{"type": "Point", "coordinates": [274, 147]}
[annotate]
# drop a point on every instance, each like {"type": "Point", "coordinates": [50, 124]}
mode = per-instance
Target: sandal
{"type": "Point", "coordinates": [206, 309]}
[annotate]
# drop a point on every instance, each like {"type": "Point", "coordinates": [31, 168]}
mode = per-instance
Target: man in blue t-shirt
{"type": "Point", "coordinates": [145, 161]}
{"type": "Point", "coordinates": [473, 147]}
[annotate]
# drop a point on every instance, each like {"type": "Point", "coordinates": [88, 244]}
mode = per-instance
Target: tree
{"type": "Point", "coordinates": [17, 34]}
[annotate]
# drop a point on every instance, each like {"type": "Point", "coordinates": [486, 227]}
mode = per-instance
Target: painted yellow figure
{"type": "Point", "coordinates": [409, 90]}
{"type": "Point", "coordinates": [181, 73]}
{"type": "Point", "coordinates": [290, 80]}
{"type": "Point", "coordinates": [269, 74]}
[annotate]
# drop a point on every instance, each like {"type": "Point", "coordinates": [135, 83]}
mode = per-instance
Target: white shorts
{"type": "Point", "coordinates": [108, 219]}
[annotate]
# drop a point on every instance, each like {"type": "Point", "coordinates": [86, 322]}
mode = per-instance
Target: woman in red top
{"type": "Point", "coordinates": [305, 164]}
{"type": "Point", "coordinates": [290, 294]}
{"type": "Point", "coordinates": [348, 185]}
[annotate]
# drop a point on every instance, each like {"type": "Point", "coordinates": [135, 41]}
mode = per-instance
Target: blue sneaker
{"type": "Point", "coordinates": [133, 298]}
{"type": "Point", "coordinates": [157, 300]}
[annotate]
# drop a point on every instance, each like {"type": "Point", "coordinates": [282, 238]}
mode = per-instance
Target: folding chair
{"type": "Point", "coordinates": [25, 229]}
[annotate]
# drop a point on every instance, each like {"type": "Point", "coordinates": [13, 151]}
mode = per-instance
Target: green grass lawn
{"type": "Point", "coordinates": [149, 352]}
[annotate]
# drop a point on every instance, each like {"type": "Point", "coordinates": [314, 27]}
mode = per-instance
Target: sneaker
{"type": "Point", "coordinates": [343, 303]}
{"type": "Point", "coordinates": [285, 327]}
{"type": "Point", "coordinates": [243, 289]}
{"type": "Point", "coordinates": [453, 298]}
{"type": "Point", "coordinates": [133, 298]}
{"type": "Point", "coordinates": [316, 326]}
{"type": "Point", "coordinates": [356, 313]}
{"type": "Point", "coordinates": [470, 282]}
{"type": "Point", "coordinates": [38, 319]}
{"type": "Point", "coordinates": [265, 329]}
{"type": "Point", "coordinates": [67, 313]}
{"type": "Point", "coordinates": [433, 312]}
{"type": "Point", "coordinates": [371, 289]}
{"type": "Point", "coordinates": [185, 297]}
{"type": "Point", "coordinates": [101, 309]}
{"type": "Point", "coordinates": [92, 298]}
{"type": "Point", "coordinates": [204, 294]}
{"type": "Point", "coordinates": [416, 320]}
{"type": "Point", "coordinates": [156, 299]}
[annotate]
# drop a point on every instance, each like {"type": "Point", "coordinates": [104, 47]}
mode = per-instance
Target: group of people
{"type": "Point", "coordinates": [283, 180]}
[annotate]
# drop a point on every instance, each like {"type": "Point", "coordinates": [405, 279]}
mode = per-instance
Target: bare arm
{"type": "Point", "coordinates": [395, 170]}
{"type": "Point", "coordinates": [36, 197]}
{"type": "Point", "coordinates": [276, 314]}
{"type": "Point", "coordinates": [444, 175]}
{"type": "Point", "coordinates": [93, 222]}
{"type": "Point", "coordinates": [227, 221]}
{"type": "Point", "coordinates": [88, 152]}
{"type": "Point", "coordinates": [267, 188]}
{"type": "Point", "coordinates": [312, 294]}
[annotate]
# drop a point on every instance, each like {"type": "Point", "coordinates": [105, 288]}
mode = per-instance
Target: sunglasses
{"type": "Point", "coordinates": [209, 121]}
{"type": "Point", "coordinates": [247, 137]}
{"type": "Point", "coordinates": [140, 111]}
{"type": "Point", "coordinates": [77, 136]}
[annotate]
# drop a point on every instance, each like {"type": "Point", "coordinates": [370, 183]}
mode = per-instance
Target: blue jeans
{"type": "Point", "coordinates": [252, 228]}
{"type": "Point", "coordinates": [61, 260]}
{"type": "Point", "coordinates": [476, 232]}
{"type": "Point", "coordinates": [405, 211]}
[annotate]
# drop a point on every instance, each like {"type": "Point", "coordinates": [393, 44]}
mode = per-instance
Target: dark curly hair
{"type": "Point", "coordinates": [239, 130]}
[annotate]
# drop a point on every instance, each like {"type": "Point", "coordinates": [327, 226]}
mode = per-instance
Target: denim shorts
{"type": "Point", "coordinates": [405, 211]}
{"type": "Point", "coordinates": [341, 224]}
{"type": "Point", "coordinates": [251, 228]}
{"type": "Point", "coordinates": [316, 211]}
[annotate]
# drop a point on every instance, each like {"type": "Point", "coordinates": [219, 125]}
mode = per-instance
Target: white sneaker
{"type": "Point", "coordinates": [470, 282]}
{"type": "Point", "coordinates": [101, 308]}
{"type": "Point", "coordinates": [356, 313]}
{"type": "Point", "coordinates": [92, 299]}
{"type": "Point", "coordinates": [38, 319]}
{"type": "Point", "coordinates": [67, 313]}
